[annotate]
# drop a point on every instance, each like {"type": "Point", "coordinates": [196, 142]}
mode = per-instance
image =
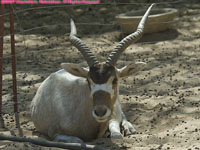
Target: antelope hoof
{"type": "Point", "coordinates": [68, 139]}
{"type": "Point", "coordinates": [116, 135]}
{"type": "Point", "coordinates": [128, 128]}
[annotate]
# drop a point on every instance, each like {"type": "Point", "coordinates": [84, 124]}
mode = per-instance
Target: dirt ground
{"type": "Point", "coordinates": [162, 101]}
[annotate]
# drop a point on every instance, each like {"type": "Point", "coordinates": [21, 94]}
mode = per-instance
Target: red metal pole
{"type": "Point", "coordinates": [12, 37]}
{"type": "Point", "coordinates": [1, 59]}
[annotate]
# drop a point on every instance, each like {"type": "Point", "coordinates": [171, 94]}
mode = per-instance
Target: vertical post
{"type": "Point", "coordinates": [12, 38]}
{"type": "Point", "coordinates": [1, 60]}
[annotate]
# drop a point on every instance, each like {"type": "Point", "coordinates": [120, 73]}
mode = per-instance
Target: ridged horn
{"type": "Point", "coordinates": [131, 38]}
{"type": "Point", "coordinates": [81, 46]}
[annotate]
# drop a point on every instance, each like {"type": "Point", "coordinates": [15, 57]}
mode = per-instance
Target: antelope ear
{"type": "Point", "coordinates": [75, 69]}
{"type": "Point", "coordinates": [131, 69]}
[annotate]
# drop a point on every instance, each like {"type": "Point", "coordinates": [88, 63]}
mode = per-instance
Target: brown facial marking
{"type": "Point", "coordinates": [101, 72]}
{"type": "Point", "coordinates": [102, 98]}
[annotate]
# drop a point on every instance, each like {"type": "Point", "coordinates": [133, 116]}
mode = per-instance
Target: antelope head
{"type": "Point", "coordinates": [103, 77]}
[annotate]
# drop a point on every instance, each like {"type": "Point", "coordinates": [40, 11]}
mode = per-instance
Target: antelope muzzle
{"type": "Point", "coordinates": [102, 106]}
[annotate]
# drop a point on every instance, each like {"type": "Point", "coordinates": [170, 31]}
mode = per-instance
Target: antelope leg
{"type": "Point", "coordinates": [127, 126]}
{"type": "Point", "coordinates": [114, 128]}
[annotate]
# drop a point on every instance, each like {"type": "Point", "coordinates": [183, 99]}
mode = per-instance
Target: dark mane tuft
{"type": "Point", "coordinates": [100, 73]}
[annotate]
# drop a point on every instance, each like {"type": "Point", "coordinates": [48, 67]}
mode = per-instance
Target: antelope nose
{"type": "Point", "coordinates": [100, 111]}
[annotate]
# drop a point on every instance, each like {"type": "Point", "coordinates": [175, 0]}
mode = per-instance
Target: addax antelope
{"type": "Point", "coordinates": [78, 104]}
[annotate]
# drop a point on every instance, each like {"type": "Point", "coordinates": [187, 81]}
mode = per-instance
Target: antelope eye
{"type": "Point", "coordinates": [114, 81]}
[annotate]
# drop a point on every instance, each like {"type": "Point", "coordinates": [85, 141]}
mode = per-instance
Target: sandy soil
{"type": "Point", "coordinates": [162, 101]}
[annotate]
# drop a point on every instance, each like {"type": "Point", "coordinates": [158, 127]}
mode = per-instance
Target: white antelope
{"type": "Point", "coordinates": [77, 103]}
